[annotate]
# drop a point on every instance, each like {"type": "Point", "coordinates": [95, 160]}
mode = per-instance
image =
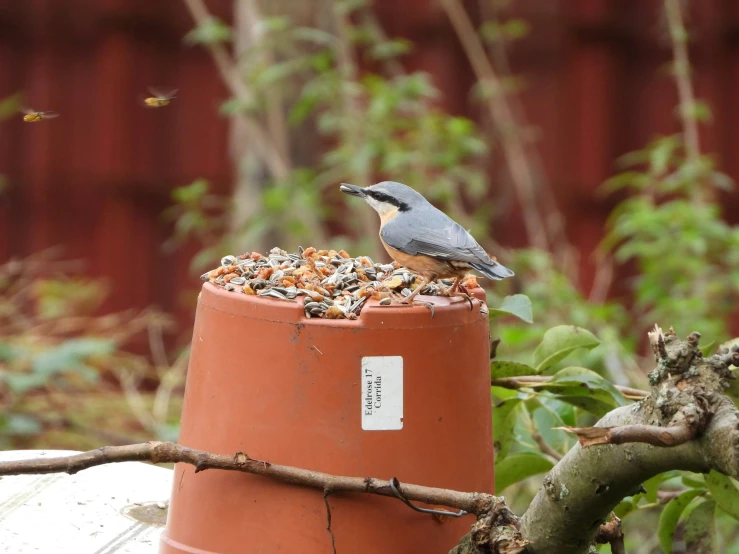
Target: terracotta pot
{"type": "Point", "coordinates": [265, 380]}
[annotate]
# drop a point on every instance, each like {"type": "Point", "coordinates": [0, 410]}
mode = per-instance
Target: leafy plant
{"type": "Point", "coordinates": [55, 349]}
{"type": "Point", "coordinates": [380, 124]}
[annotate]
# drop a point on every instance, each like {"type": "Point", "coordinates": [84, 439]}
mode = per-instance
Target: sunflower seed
{"type": "Point", "coordinates": [273, 293]}
{"type": "Point", "coordinates": [334, 287]}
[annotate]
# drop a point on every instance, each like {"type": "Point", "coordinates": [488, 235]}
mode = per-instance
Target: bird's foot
{"type": "Point", "coordinates": [414, 302]}
{"type": "Point", "coordinates": [396, 301]}
{"type": "Point", "coordinates": [462, 292]}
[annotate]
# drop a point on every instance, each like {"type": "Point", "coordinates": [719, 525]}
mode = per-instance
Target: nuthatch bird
{"type": "Point", "coordinates": [424, 239]}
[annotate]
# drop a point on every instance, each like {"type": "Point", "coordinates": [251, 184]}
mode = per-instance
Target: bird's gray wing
{"type": "Point", "coordinates": [444, 239]}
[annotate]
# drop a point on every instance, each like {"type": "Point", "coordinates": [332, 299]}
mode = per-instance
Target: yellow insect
{"type": "Point", "coordinates": [159, 98]}
{"type": "Point", "coordinates": [32, 116]}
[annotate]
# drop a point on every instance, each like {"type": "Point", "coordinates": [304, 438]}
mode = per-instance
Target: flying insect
{"type": "Point", "coordinates": [159, 98]}
{"type": "Point", "coordinates": [32, 116]}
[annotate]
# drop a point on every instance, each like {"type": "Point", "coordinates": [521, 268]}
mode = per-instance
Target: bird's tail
{"type": "Point", "coordinates": [493, 271]}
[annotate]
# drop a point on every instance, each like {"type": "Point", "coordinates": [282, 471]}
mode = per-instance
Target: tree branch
{"type": "Point", "coordinates": [501, 113]}
{"type": "Point", "coordinates": [279, 166]}
{"type": "Point", "coordinates": [532, 380]}
{"type": "Point", "coordinates": [168, 452]}
{"type": "Point", "coordinates": [681, 70]}
{"type": "Point", "coordinates": [611, 533]}
{"type": "Point", "coordinates": [583, 488]}
{"type": "Point", "coordinates": [648, 434]}
{"type": "Point", "coordinates": [544, 446]}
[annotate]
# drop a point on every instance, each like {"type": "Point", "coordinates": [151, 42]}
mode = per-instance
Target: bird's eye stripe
{"type": "Point", "coordinates": [382, 197]}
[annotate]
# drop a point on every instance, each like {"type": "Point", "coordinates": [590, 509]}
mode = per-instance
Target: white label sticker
{"type": "Point", "coordinates": [382, 393]}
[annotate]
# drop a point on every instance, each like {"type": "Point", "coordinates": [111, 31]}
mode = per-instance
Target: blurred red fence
{"type": "Point", "coordinates": [97, 179]}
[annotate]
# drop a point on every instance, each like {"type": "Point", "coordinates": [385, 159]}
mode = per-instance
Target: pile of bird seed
{"type": "Point", "coordinates": [333, 284]}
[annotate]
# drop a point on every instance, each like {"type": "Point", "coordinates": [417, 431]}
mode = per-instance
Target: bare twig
{"type": "Point", "coordinates": [494, 347]}
{"type": "Point", "coordinates": [135, 399]}
{"type": "Point", "coordinates": [352, 135]}
{"type": "Point", "coordinates": [663, 497]}
{"type": "Point", "coordinates": [368, 18]}
{"type": "Point", "coordinates": [263, 143]}
{"type": "Point", "coordinates": [657, 340]}
{"type": "Point", "coordinates": [612, 533]}
{"type": "Point", "coordinates": [168, 452]}
{"type": "Point", "coordinates": [251, 19]}
{"type": "Point", "coordinates": [681, 69]}
{"type": "Point", "coordinates": [500, 111]}
{"type": "Point", "coordinates": [156, 343]}
{"type": "Point", "coordinates": [168, 380]}
{"type": "Point", "coordinates": [554, 221]}
{"type": "Point", "coordinates": [544, 447]}
{"type": "Point", "coordinates": [649, 434]}
{"type": "Point", "coordinates": [534, 380]}
{"type": "Point", "coordinates": [603, 278]}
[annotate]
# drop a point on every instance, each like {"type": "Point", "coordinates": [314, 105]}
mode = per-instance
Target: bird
{"type": "Point", "coordinates": [424, 239]}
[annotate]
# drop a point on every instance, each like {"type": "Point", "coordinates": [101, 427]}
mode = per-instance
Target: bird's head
{"type": "Point", "coordinates": [387, 197]}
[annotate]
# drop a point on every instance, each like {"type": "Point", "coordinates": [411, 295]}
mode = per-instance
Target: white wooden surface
{"type": "Point", "coordinates": [96, 511]}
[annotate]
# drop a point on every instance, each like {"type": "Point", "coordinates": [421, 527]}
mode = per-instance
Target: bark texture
{"type": "Point", "coordinates": [579, 493]}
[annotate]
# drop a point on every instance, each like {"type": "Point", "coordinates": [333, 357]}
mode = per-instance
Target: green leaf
{"type": "Point", "coordinates": [721, 180]}
{"type": "Point", "coordinates": [236, 105]}
{"type": "Point", "coordinates": [499, 394]}
{"type": "Point", "coordinates": [559, 342]}
{"type": "Point", "coordinates": [70, 354]}
{"type": "Point", "coordinates": [707, 348]}
{"type": "Point", "coordinates": [276, 24]}
{"type": "Point", "coordinates": [550, 413]}
{"type": "Point", "coordinates": [315, 36]}
{"type": "Point", "coordinates": [192, 193]}
{"type": "Point", "coordinates": [10, 352]}
{"type": "Point", "coordinates": [167, 432]}
{"type": "Point", "coordinates": [278, 72]}
{"type": "Point", "coordinates": [518, 467]}
{"type": "Point", "coordinates": [345, 7]}
{"type": "Point", "coordinates": [500, 369]}
{"type": "Point", "coordinates": [389, 49]}
{"type": "Point", "coordinates": [585, 389]}
{"type": "Point", "coordinates": [695, 480]}
{"type": "Point", "coordinates": [303, 107]}
{"type": "Point", "coordinates": [700, 529]}
{"type": "Point", "coordinates": [652, 485]}
{"type": "Point", "coordinates": [518, 305]}
{"type": "Point", "coordinates": [670, 516]}
{"type": "Point", "coordinates": [211, 31]}
{"type": "Point", "coordinates": [700, 111]}
{"type": "Point", "coordinates": [504, 421]}
{"type": "Point", "coordinates": [20, 383]}
{"type": "Point", "coordinates": [661, 154]}
{"type": "Point", "coordinates": [724, 492]}
{"type": "Point", "coordinates": [21, 424]}
{"type": "Point", "coordinates": [10, 105]}
{"type": "Point", "coordinates": [625, 507]}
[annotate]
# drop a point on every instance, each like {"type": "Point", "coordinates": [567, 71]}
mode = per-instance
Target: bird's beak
{"type": "Point", "coordinates": [354, 190]}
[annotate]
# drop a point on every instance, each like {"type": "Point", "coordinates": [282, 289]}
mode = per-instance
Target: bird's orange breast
{"type": "Point", "coordinates": [429, 267]}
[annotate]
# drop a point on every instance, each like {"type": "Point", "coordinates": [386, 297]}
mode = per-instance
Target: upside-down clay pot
{"type": "Point", "coordinates": [395, 393]}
